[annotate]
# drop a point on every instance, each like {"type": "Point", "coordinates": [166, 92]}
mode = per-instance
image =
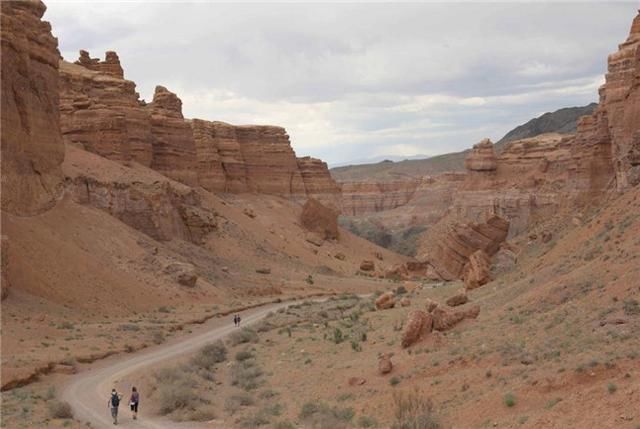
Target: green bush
{"type": "Point", "coordinates": [509, 399]}
{"type": "Point", "coordinates": [338, 336]}
{"type": "Point", "coordinates": [243, 355]}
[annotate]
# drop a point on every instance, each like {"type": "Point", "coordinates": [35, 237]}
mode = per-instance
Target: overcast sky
{"type": "Point", "coordinates": [357, 81]}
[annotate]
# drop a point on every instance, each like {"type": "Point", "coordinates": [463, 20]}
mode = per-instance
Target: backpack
{"type": "Point", "coordinates": [115, 400]}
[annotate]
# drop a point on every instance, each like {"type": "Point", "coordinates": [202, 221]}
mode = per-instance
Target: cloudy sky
{"type": "Point", "coordinates": [358, 81]}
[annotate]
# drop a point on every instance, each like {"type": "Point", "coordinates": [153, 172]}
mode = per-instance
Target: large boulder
{"type": "Point", "coordinates": [477, 272]}
{"type": "Point", "coordinates": [385, 301]}
{"type": "Point", "coordinates": [418, 323]}
{"type": "Point", "coordinates": [444, 319]}
{"type": "Point", "coordinates": [384, 364]}
{"type": "Point", "coordinates": [459, 298]}
{"type": "Point", "coordinates": [320, 219]}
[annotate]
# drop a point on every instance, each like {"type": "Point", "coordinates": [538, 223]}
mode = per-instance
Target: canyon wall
{"type": "Point", "coordinates": [619, 108]}
{"type": "Point", "coordinates": [32, 149]}
{"type": "Point", "coordinates": [102, 111]}
{"type": "Point", "coordinates": [361, 198]}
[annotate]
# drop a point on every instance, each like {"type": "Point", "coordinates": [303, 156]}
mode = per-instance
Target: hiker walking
{"type": "Point", "coordinates": [134, 401]}
{"type": "Point", "coordinates": [239, 320]}
{"type": "Point", "coordinates": [113, 404]}
{"type": "Point", "coordinates": [235, 320]}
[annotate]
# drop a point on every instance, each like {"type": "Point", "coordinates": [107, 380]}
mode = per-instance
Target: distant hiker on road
{"type": "Point", "coordinates": [235, 319]}
{"type": "Point", "coordinates": [113, 404]}
{"type": "Point", "coordinates": [134, 401]}
{"type": "Point", "coordinates": [239, 320]}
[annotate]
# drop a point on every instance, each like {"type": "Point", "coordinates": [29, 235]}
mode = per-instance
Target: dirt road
{"type": "Point", "coordinates": [88, 391]}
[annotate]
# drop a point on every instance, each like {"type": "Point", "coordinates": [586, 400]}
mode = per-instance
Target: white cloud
{"type": "Point", "coordinates": [349, 80]}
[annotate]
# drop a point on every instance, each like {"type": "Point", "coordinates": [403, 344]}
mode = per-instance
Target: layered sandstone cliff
{"type": "Point", "coordinates": [103, 112]}
{"type": "Point", "coordinates": [318, 183]}
{"type": "Point", "coordinates": [360, 198]}
{"type": "Point", "coordinates": [174, 150]}
{"type": "Point", "coordinates": [618, 113]}
{"type": "Point", "coordinates": [32, 149]}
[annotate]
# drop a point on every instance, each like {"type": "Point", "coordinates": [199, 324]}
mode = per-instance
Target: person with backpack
{"type": "Point", "coordinates": [134, 401]}
{"type": "Point", "coordinates": [113, 404]}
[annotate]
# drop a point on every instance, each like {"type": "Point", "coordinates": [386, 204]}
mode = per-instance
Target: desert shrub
{"type": "Point", "coordinates": [401, 290]}
{"type": "Point", "coordinates": [268, 394]}
{"type": "Point", "coordinates": [246, 374]}
{"type": "Point", "coordinates": [394, 381]}
{"type": "Point", "coordinates": [66, 325]}
{"type": "Point", "coordinates": [243, 336]}
{"type": "Point", "coordinates": [367, 422]}
{"type": "Point", "coordinates": [243, 355]}
{"type": "Point", "coordinates": [255, 420]}
{"type": "Point", "coordinates": [172, 398]}
{"type": "Point", "coordinates": [309, 279]}
{"type": "Point", "coordinates": [338, 336]}
{"type": "Point", "coordinates": [234, 402]}
{"type": "Point", "coordinates": [60, 410]}
{"type": "Point", "coordinates": [412, 410]}
{"type": "Point", "coordinates": [210, 355]}
{"type": "Point", "coordinates": [611, 388]}
{"type": "Point", "coordinates": [319, 415]}
{"type": "Point", "coordinates": [631, 307]}
{"type": "Point", "coordinates": [509, 399]}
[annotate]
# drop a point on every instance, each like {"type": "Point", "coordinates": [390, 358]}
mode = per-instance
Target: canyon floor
{"type": "Point", "coordinates": [555, 346]}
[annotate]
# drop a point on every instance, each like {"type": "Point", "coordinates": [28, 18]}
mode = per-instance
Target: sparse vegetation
{"type": "Point", "coordinates": [322, 416]}
{"type": "Point", "coordinates": [412, 410]}
{"type": "Point", "coordinates": [510, 400]}
{"type": "Point", "coordinates": [243, 336]}
{"type": "Point", "coordinates": [60, 409]}
{"type": "Point", "coordinates": [210, 355]}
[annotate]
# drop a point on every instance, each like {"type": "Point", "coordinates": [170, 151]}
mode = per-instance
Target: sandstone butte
{"type": "Point", "coordinates": [101, 111]}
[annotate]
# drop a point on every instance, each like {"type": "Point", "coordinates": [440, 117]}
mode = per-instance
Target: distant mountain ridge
{"type": "Point", "coordinates": [561, 121]}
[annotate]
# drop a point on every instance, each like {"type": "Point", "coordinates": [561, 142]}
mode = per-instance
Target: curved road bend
{"type": "Point", "coordinates": [88, 391]}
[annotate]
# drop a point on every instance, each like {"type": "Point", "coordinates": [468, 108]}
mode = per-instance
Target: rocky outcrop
{"type": "Point", "coordinates": [110, 66]}
{"type": "Point", "coordinates": [620, 106]}
{"type": "Point", "coordinates": [367, 265]}
{"type": "Point", "coordinates": [174, 151]}
{"type": "Point", "coordinates": [418, 323]}
{"type": "Point", "coordinates": [320, 220]}
{"type": "Point", "coordinates": [32, 148]}
{"type": "Point", "coordinates": [452, 251]}
{"type": "Point", "coordinates": [482, 157]}
{"type": "Point", "coordinates": [360, 198]}
{"type": "Point", "coordinates": [103, 113]}
{"type": "Point", "coordinates": [159, 207]}
{"type": "Point", "coordinates": [318, 183]}
{"type": "Point", "coordinates": [477, 271]}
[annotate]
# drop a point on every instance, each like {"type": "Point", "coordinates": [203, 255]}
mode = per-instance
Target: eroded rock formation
{"type": "Point", "coordinates": [359, 198]}
{"type": "Point", "coordinates": [32, 149]}
{"type": "Point", "coordinates": [482, 157]}
{"type": "Point", "coordinates": [103, 113]}
{"type": "Point", "coordinates": [174, 151]}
